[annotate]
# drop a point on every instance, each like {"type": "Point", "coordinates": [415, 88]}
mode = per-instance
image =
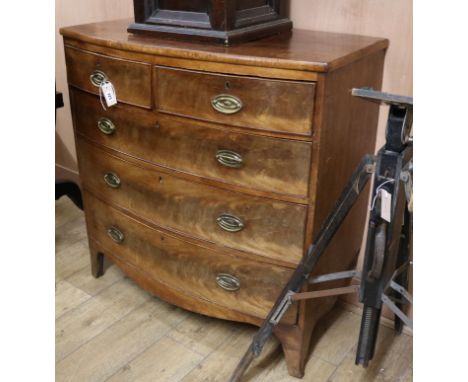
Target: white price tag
{"type": "Point", "coordinates": [385, 205]}
{"type": "Point", "coordinates": [108, 92]}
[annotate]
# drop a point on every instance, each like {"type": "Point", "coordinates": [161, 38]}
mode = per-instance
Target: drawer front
{"type": "Point", "coordinates": [284, 106]}
{"type": "Point", "coordinates": [131, 80]}
{"type": "Point", "coordinates": [241, 285]}
{"type": "Point", "coordinates": [258, 225]}
{"type": "Point", "coordinates": [267, 164]}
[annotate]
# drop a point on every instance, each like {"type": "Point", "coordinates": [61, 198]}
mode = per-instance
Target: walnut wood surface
{"type": "Point", "coordinates": [302, 50]}
{"type": "Point", "coordinates": [272, 229]}
{"type": "Point", "coordinates": [269, 164]}
{"type": "Point", "coordinates": [185, 268]}
{"type": "Point", "coordinates": [131, 80]}
{"type": "Point", "coordinates": [272, 105]}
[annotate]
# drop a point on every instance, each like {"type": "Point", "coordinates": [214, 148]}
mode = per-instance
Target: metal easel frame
{"type": "Point", "coordinates": [384, 277]}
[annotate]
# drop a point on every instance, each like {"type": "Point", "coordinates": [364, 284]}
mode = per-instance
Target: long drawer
{"type": "Point", "coordinates": [261, 226]}
{"type": "Point", "coordinates": [265, 104]}
{"type": "Point", "coordinates": [244, 286]}
{"type": "Point", "coordinates": [131, 80]}
{"type": "Point", "coordinates": [267, 164]}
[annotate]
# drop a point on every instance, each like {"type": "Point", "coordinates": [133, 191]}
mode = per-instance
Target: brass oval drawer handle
{"type": "Point", "coordinates": [228, 282]}
{"type": "Point", "coordinates": [115, 234]}
{"type": "Point", "coordinates": [98, 77]}
{"type": "Point", "coordinates": [112, 180]}
{"type": "Point", "coordinates": [226, 103]}
{"type": "Point", "coordinates": [106, 126]}
{"type": "Point", "coordinates": [229, 158]}
{"type": "Point", "coordinates": [230, 223]}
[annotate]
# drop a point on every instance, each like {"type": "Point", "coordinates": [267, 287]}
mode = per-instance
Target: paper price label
{"type": "Point", "coordinates": [108, 92]}
{"type": "Point", "coordinates": [385, 205]}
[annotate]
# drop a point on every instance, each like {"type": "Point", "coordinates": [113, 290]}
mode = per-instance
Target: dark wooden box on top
{"type": "Point", "coordinates": [225, 21]}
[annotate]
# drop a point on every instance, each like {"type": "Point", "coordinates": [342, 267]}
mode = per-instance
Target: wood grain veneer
{"type": "Point", "coordinates": [272, 105]}
{"type": "Point", "coordinates": [272, 229]}
{"type": "Point", "coordinates": [132, 80]}
{"type": "Point", "coordinates": [188, 269]}
{"type": "Point", "coordinates": [275, 165]}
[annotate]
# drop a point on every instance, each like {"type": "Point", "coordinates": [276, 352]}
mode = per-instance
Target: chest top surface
{"type": "Point", "coordinates": [301, 50]}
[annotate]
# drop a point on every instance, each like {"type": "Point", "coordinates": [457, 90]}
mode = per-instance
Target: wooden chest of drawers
{"type": "Point", "coordinates": [209, 178]}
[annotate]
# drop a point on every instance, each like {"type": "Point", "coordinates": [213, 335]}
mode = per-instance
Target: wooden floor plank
{"type": "Point", "coordinates": [202, 334]}
{"type": "Point", "coordinates": [71, 260]}
{"type": "Point", "coordinates": [335, 336]}
{"type": "Point", "coordinates": [79, 325]}
{"type": "Point", "coordinates": [165, 361]}
{"type": "Point", "coordinates": [68, 297]}
{"type": "Point", "coordinates": [65, 211]}
{"type": "Point", "coordinates": [70, 232]}
{"type": "Point", "coordinates": [219, 365]}
{"type": "Point", "coordinates": [399, 359]}
{"type": "Point", "coordinates": [119, 344]}
{"type": "Point", "coordinates": [317, 370]}
{"type": "Point", "coordinates": [71, 244]}
{"type": "Point", "coordinates": [83, 279]}
{"type": "Point", "coordinates": [392, 360]}
{"type": "Point", "coordinates": [408, 377]}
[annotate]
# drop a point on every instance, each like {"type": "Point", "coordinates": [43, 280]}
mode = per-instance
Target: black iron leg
{"type": "Point", "coordinates": [71, 190]}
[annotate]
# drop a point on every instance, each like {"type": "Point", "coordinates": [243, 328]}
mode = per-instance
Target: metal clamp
{"type": "Point", "coordinates": [397, 311]}
{"type": "Point", "coordinates": [282, 308]}
{"type": "Point", "coordinates": [387, 300]}
{"type": "Point", "coordinates": [334, 276]}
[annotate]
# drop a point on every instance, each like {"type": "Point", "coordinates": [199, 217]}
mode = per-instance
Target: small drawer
{"type": "Point", "coordinates": [257, 225]}
{"type": "Point", "coordinates": [265, 104]}
{"type": "Point", "coordinates": [258, 162]}
{"type": "Point", "coordinates": [245, 286]}
{"type": "Point", "coordinates": [131, 80]}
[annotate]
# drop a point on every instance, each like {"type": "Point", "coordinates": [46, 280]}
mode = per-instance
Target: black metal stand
{"type": "Point", "coordinates": [387, 256]}
{"type": "Point", "coordinates": [70, 189]}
